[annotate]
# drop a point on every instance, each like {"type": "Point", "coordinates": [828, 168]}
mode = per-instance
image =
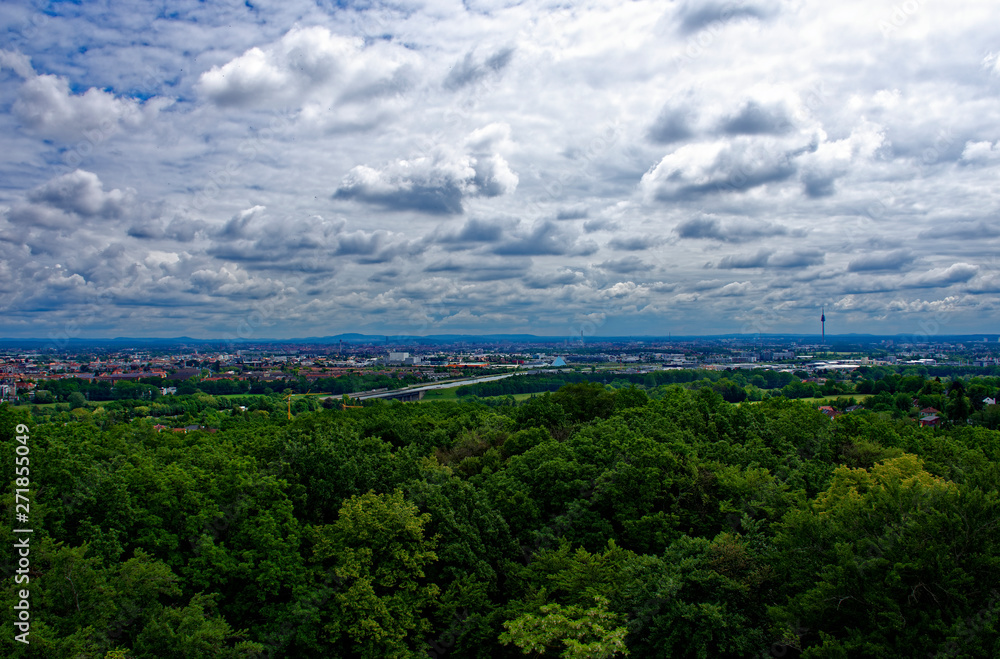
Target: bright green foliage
{"type": "Point", "coordinates": [890, 557]}
{"type": "Point", "coordinates": [377, 553]}
{"type": "Point", "coordinates": [192, 631]}
{"type": "Point", "coordinates": [601, 518]}
{"type": "Point", "coordinates": [572, 631]}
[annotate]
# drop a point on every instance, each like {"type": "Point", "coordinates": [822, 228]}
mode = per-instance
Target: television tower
{"type": "Point", "coordinates": [822, 322]}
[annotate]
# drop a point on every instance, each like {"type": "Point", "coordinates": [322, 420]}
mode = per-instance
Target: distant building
{"type": "Point", "coordinates": [398, 357]}
{"type": "Point", "coordinates": [930, 421]}
{"type": "Point", "coordinates": [829, 411]}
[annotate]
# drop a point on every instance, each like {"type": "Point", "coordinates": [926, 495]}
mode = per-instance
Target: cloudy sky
{"type": "Point", "coordinates": [287, 169]}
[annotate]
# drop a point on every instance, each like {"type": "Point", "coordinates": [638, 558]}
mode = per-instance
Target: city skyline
{"type": "Point", "coordinates": [280, 170]}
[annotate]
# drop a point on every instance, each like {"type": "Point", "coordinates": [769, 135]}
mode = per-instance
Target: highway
{"type": "Point", "coordinates": [367, 395]}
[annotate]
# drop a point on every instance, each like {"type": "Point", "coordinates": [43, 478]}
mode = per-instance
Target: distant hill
{"type": "Point", "coordinates": [355, 338]}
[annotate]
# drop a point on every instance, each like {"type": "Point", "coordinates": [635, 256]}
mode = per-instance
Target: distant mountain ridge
{"type": "Point", "coordinates": [474, 339]}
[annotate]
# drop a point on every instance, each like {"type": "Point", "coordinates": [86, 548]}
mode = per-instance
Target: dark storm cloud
{"type": "Point", "coordinates": [81, 193]}
{"type": "Point", "coordinates": [958, 273]}
{"type": "Point", "coordinates": [237, 225]}
{"type": "Point", "coordinates": [558, 279]}
{"type": "Point", "coordinates": [482, 270]}
{"type": "Point", "coordinates": [672, 125]}
{"type": "Point", "coordinates": [444, 266]}
{"type": "Point", "coordinates": [633, 243]}
{"type": "Point", "coordinates": [758, 260]}
{"type": "Point", "coordinates": [796, 259]}
{"type": "Point", "coordinates": [38, 216]}
{"type": "Point", "coordinates": [625, 266]}
{"type": "Point", "coordinates": [303, 245]}
{"type": "Point", "coordinates": [755, 119]}
{"type": "Point", "coordinates": [695, 16]}
{"type": "Point", "coordinates": [766, 258]}
{"type": "Point", "coordinates": [468, 71]}
{"type": "Point", "coordinates": [476, 231]}
{"type": "Point", "coordinates": [577, 213]}
{"type": "Point", "coordinates": [385, 276]}
{"type": "Point", "coordinates": [895, 260]}
{"type": "Point", "coordinates": [494, 272]}
{"type": "Point", "coordinates": [735, 231]}
{"type": "Point", "coordinates": [696, 171]}
{"type": "Point", "coordinates": [818, 184]}
{"type": "Point", "coordinates": [443, 199]}
{"type": "Point", "coordinates": [600, 224]}
{"type": "Point", "coordinates": [702, 285]}
{"type": "Point", "coordinates": [180, 229]}
{"type": "Point", "coordinates": [963, 230]}
{"type": "Point", "coordinates": [359, 243]}
{"type": "Point", "coordinates": [544, 239]}
{"type": "Point", "coordinates": [435, 184]}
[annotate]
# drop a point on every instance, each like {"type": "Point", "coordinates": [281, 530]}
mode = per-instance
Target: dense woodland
{"type": "Point", "coordinates": [649, 519]}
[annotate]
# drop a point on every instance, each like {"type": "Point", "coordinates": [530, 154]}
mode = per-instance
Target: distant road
{"type": "Point", "coordinates": [367, 395]}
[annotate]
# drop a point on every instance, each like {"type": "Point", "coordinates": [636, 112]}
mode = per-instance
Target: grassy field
{"type": "Point", "coordinates": [439, 394]}
{"type": "Point", "coordinates": [826, 400]}
{"type": "Point", "coordinates": [449, 394]}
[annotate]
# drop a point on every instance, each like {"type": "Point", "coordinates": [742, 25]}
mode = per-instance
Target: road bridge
{"type": "Point", "coordinates": [416, 393]}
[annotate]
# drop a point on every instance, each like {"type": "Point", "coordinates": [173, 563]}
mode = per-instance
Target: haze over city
{"type": "Point", "coordinates": [291, 169]}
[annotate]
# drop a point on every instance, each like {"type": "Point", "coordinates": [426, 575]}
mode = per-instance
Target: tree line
{"type": "Point", "coordinates": [592, 521]}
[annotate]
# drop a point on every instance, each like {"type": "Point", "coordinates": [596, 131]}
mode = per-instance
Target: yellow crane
{"type": "Point", "coordinates": [344, 400]}
{"type": "Point", "coordinates": [288, 398]}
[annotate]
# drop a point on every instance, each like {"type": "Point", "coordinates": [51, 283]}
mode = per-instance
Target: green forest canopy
{"type": "Point", "coordinates": [591, 521]}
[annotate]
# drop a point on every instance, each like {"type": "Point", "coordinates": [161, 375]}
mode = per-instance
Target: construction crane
{"type": "Point", "coordinates": [346, 399]}
{"type": "Point", "coordinates": [288, 398]}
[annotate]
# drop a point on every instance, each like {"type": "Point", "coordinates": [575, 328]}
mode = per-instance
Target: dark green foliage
{"type": "Point", "coordinates": [670, 507]}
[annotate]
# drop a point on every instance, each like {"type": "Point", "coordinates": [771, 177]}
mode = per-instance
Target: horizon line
{"type": "Point", "coordinates": [383, 336]}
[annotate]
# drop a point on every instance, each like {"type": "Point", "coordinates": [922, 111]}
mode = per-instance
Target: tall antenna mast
{"type": "Point", "coordinates": [822, 321]}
